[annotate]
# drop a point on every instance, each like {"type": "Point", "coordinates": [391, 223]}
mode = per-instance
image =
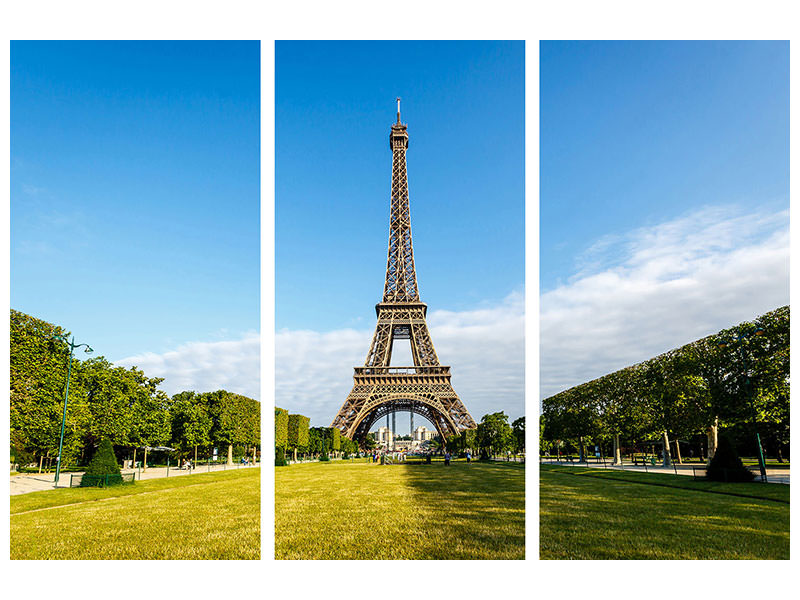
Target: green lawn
{"type": "Point", "coordinates": [344, 510]}
{"type": "Point", "coordinates": [599, 514]}
{"type": "Point", "coordinates": [204, 516]}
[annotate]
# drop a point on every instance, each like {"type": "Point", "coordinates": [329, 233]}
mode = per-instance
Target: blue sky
{"type": "Point", "coordinates": [135, 199]}
{"type": "Point", "coordinates": [664, 197]}
{"type": "Point", "coordinates": [464, 104]}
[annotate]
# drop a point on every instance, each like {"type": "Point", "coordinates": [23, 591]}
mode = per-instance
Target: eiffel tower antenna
{"type": "Point", "coordinates": [424, 387]}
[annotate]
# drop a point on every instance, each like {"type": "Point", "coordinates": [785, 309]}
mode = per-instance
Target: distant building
{"type": "Point", "coordinates": [423, 434]}
{"type": "Point", "coordinates": [383, 437]}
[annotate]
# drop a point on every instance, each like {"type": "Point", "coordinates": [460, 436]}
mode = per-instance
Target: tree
{"type": "Point", "coordinates": [38, 376]}
{"type": "Point", "coordinates": [281, 430]}
{"type": "Point", "coordinates": [297, 433]}
{"type": "Point", "coordinates": [190, 425]}
{"type": "Point", "coordinates": [103, 463]}
{"type": "Point", "coordinates": [518, 432]}
{"type": "Point", "coordinates": [494, 433]}
{"type": "Point", "coordinates": [235, 420]}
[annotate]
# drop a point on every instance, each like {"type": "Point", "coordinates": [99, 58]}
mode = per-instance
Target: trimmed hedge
{"type": "Point", "coordinates": [281, 427]}
{"type": "Point", "coordinates": [726, 464]}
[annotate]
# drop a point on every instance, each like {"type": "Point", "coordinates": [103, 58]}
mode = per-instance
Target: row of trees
{"type": "Point", "coordinates": [736, 379]}
{"type": "Point", "coordinates": [109, 402]}
{"type": "Point", "coordinates": [293, 434]}
{"type": "Point", "coordinates": [493, 436]}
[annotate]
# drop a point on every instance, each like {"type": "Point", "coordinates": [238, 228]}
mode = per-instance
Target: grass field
{"type": "Point", "coordinates": [344, 510]}
{"type": "Point", "coordinates": [599, 514]}
{"type": "Point", "coordinates": [204, 516]}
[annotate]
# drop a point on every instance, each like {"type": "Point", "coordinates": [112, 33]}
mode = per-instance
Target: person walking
{"type": "Point", "coordinates": [469, 457]}
{"type": "Point", "coordinates": [447, 459]}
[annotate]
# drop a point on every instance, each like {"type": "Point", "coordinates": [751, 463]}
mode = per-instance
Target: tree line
{"type": "Point", "coordinates": [109, 402]}
{"type": "Point", "coordinates": [293, 435]}
{"type": "Point", "coordinates": [736, 380]}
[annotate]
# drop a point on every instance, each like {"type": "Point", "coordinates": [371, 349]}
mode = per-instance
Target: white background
{"type": "Point", "coordinates": [577, 19]}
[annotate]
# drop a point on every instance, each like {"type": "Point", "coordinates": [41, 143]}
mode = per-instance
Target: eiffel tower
{"type": "Point", "coordinates": [424, 388]}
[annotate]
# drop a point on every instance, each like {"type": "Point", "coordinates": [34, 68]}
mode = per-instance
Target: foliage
{"type": "Point", "coordinates": [494, 433]}
{"type": "Point", "coordinates": [728, 378]}
{"type": "Point", "coordinates": [297, 434]}
{"type": "Point", "coordinates": [121, 405]}
{"type": "Point", "coordinates": [103, 462]}
{"type": "Point", "coordinates": [518, 431]}
{"type": "Point", "coordinates": [281, 428]}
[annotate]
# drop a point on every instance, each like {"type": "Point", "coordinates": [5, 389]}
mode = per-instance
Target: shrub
{"type": "Point", "coordinates": [324, 458]}
{"type": "Point", "coordinates": [103, 468]}
{"type": "Point", "coordinates": [103, 462]}
{"type": "Point", "coordinates": [280, 461]}
{"type": "Point", "coordinates": [726, 464]}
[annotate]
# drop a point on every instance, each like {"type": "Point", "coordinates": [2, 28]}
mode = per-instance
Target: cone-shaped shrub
{"type": "Point", "coordinates": [726, 464]}
{"type": "Point", "coordinates": [103, 462]}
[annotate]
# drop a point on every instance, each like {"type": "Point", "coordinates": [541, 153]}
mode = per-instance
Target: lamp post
{"type": "Point", "coordinates": [758, 331]}
{"type": "Point", "coordinates": [72, 345]}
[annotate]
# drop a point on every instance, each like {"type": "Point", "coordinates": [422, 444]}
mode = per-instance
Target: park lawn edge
{"type": "Point", "coordinates": [772, 492]}
{"type": "Point", "coordinates": [23, 503]}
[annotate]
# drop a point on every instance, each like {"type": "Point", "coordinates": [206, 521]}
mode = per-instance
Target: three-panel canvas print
{"type": "Point", "coordinates": [388, 394]}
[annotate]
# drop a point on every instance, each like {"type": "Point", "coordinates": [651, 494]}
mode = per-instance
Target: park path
{"type": "Point", "coordinates": [773, 475]}
{"type": "Point", "coordinates": [25, 483]}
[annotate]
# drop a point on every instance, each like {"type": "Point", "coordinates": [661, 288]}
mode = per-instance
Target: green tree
{"type": "Point", "coordinates": [518, 431]}
{"type": "Point", "coordinates": [103, 462]}
{"type": "Point", "coordinates": [281, 430]}
{"type": "Point", "coordinates": [190, 425]}
{"type": "Point", "coordinates": [494, 433]}
{"type": "Point", "coordinates": [297, 433]}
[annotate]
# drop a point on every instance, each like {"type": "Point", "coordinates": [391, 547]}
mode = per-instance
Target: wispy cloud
{"type": "Point", "coordinates": [637, 295]}
{"type": "Point", "coordinates": [484, 347]}
{"type": "Point", "coordinates": [206, 366]}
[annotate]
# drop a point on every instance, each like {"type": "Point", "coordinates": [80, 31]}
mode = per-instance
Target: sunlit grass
{"type": "Point", "coordinates": [204, 516]}
{"type": "Point", "coordinates": [365, 511]}
{"type": "Point", "coordinates": [591, 514]}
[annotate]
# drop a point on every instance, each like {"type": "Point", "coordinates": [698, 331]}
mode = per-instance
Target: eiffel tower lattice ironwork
{"type": "Point", "coordinates": [425, 387]}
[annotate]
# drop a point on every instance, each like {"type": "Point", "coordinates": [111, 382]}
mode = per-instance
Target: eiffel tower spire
{"type": "Point", "coordinates": [425, 387]}
{"type": "Point", "coordinates": [401, 278]}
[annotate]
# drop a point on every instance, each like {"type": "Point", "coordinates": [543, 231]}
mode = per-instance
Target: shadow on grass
{"type": "Point", "coordinates": [477, 510]}
{"type": "Point", "coordinates": [591, 518]}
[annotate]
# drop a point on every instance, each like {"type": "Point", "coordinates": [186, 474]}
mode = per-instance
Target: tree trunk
{"type": "Point", "coordinates": [780, 454]}
{"type": "Point", "coordinates": [145, 459]}
{"type": "Point", "coordinates": [195, 454]}
{"type": "Point", "coordinates": [667, 457]}
{"type": "Point", "coordinates": [254, 455]}
{"type": "Point", "coordinates": [678, 452]}
{"type": "Point", "coordinates": [41, 459]}
{"type": "Point", "coordinates": [711, 436]}
{"type": "Point", "coordinates": [134, 457]}
{"type": "Point", "coordinates": [230, 454]}
{"type": "Point", "coordinates": [580, 451]}
{"type": "Point", "coordinates": [617, 454]}
{"type": "Point", "coordinates": [295, 454]}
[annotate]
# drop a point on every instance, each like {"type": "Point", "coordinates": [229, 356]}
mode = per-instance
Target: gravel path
{"type": "Point", "coordinates": [24, 483]}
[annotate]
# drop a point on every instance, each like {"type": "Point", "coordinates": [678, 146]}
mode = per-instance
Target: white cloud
{"type": "Point", "coordinates": [660, 287]}
{"type": "Point", "coordinates": [484, 348]}
{"type": "Point", "coordinates": [206, 366]}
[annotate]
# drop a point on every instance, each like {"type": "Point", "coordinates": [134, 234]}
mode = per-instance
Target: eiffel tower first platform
{"type": "Point", "coordinates": [424, 388]}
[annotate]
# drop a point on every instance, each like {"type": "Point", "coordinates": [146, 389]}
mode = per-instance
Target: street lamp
{"type": "Point", "coordinates": [72, 345]}
{"type": "Point", "coordinates": [742, 336]}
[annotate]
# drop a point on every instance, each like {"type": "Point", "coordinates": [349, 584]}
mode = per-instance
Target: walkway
{"type": "Point", "coordinates": [773, 475]}
{"type": "Point", "coordinates": [24, 483]}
